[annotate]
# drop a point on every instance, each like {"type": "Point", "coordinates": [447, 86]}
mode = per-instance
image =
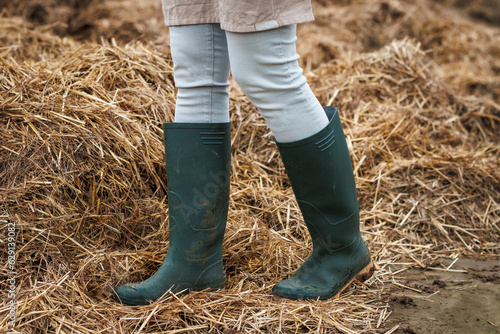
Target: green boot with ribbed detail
{"type": "Point", "coordinates": [198, 165]}
{"type": "Point", "coordinates": [321, 175]}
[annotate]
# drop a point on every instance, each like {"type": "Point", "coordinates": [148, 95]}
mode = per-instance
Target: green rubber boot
{"type": "Point", "coordinates": [320, 171]}
{"type": "Point", "coordinates": [198, 164]}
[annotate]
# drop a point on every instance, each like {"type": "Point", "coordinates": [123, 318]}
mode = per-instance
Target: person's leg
{"type": "Point", "coordinates": [316, 158]}
{"type": "Point", "coordinates": [197, 154]}
{"type": "Point", "coordinates": [201, 72]}
{"type": "Point", "coordinates": [264, 64]}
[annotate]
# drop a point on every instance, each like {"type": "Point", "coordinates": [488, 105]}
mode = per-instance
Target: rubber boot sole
{"type": "Point", "coordinates": [360, 277]}
{"type": "Point", "coordinates": [142, 302]}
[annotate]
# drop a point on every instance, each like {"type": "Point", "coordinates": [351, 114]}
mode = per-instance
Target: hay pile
{"type": "Point", "coordinates": [122, 20]}
{"type": "Point", "coordinates": [82, 171]}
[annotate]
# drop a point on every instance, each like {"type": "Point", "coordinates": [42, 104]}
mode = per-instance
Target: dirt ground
{"type": "Point", "coordinates": [463, 299]}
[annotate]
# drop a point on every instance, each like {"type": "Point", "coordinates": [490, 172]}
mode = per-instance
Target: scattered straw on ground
{"type": "Point", "coordinates": [82, 170]}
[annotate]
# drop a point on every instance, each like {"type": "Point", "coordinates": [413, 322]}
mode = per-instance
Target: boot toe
{"type": "Point", "coordinates": [128, 294]}
{"type": "Point", "coordinates": [295, 290]}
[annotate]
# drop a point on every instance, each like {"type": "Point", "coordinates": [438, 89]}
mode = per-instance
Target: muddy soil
{"type": "Point", "coordinates": [463, 299]}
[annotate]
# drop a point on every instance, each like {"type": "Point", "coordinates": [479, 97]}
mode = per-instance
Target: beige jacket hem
{"type": "Point", "coordinates": [243, 28]}
{"type": "Point", "coordinates": [237, 15]}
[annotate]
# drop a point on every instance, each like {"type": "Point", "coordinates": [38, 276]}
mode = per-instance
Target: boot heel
{"type": "Point", "coordinates": [366, 273]}
{"type": "Point", "coordinates": [362, 276]}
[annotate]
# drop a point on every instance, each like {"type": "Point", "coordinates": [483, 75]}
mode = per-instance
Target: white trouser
{"type": "Point", "coordinates": [264, 64]}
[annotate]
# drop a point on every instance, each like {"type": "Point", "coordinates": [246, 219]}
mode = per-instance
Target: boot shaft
{"type": "Point", "coordinates": [198, 171]}
{"type": "Point", "coordinates": [320, 172]}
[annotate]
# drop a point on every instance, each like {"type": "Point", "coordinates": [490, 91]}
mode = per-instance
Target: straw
{"type": "Point", "coordinates": [82, 172]}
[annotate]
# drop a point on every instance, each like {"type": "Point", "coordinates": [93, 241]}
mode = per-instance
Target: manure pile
{"type": "Point", "coordinates": [82, 172]}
